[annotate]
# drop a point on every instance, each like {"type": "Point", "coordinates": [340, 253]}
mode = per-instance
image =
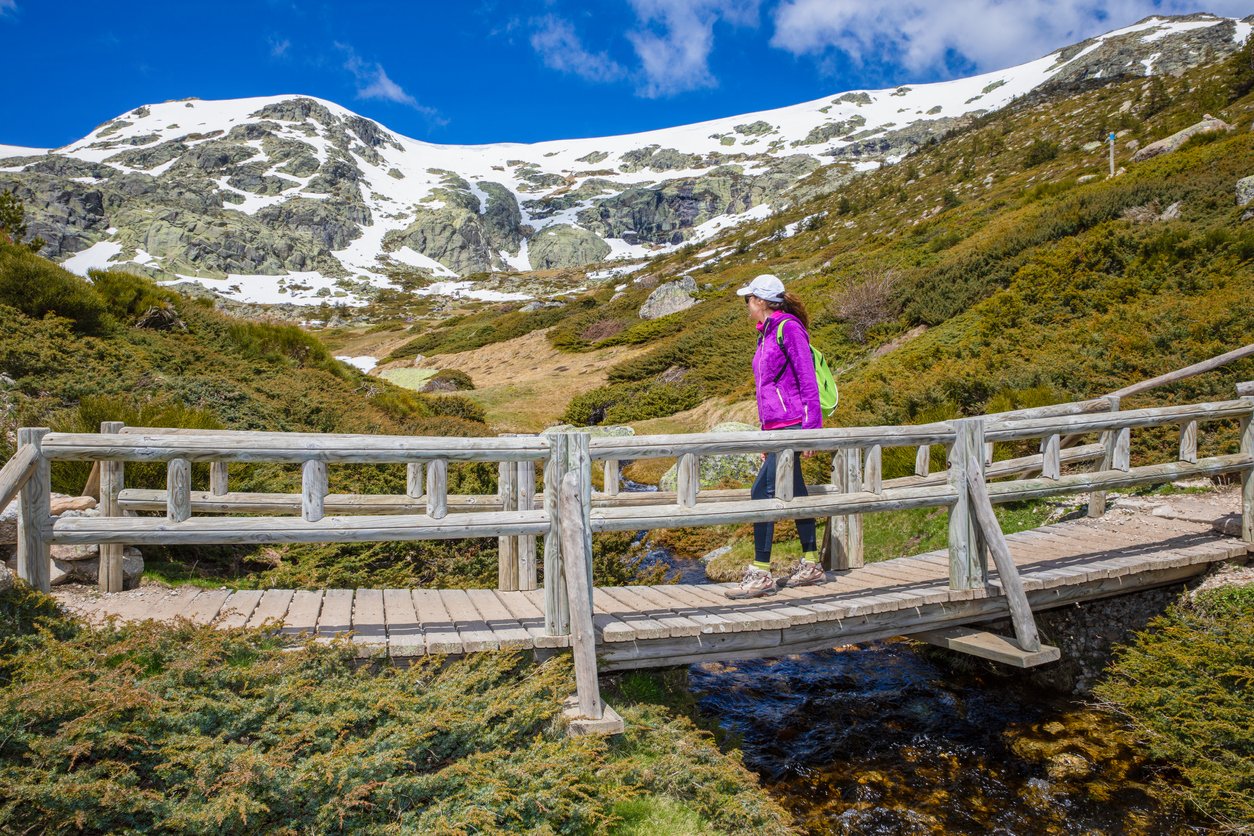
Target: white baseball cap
{"type": "Point", "coordinates": [766, 287]}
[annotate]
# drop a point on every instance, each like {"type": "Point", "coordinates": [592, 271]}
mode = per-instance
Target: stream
{"type": "Point", "coordinates": [882, 739]}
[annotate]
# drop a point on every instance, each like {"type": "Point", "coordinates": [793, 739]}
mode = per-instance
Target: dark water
{"type": "Point", "coordinates": [879, 740]}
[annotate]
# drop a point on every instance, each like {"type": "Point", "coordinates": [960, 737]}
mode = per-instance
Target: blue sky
{"type": "Point", "coordinates": [471, 71]}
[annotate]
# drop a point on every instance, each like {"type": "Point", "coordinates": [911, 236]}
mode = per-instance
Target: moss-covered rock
{"type": "Point", "coordinates": [565, 245]}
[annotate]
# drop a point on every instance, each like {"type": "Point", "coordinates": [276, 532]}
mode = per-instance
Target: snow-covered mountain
{"type": "Point", "coordinates": [292, 198]}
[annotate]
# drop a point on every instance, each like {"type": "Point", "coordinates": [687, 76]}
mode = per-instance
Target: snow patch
{"type": "Point", "coordinates": [95, 257]}
{"type": "Point", "coordinates": [365, 362]}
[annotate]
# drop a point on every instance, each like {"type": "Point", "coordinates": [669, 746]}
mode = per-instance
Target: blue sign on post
{"type": "Point", "coordinates": [1112, 136]}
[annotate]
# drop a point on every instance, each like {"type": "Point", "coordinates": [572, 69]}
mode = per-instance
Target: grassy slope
{"type": "Point", "coordinates": [1034, 287]}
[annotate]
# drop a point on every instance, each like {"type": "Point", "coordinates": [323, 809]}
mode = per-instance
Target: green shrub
{"type": "Point", "coordinates": [1040, 151]}
{"type": "Point", "coordinates": [455, 406]}
{"type": "Point", "coordinates": [1185, 686]}
{"type": "Point", "coordinates": [37, 288]}
{"type": "Point", "coordinates": [452, 380]}
{"type": "Point", "coordinates": [128, 296]}
{"type": "Point", "coordinates": [621, 403]}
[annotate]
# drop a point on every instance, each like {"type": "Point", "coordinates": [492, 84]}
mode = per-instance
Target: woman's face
{"type": "Point", "coordinates": [757, 309]}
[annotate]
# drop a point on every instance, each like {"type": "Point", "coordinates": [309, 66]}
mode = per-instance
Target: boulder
{"type": "Point", "coordinates": [6, 577]}
{"type": "Point", "coordinates": [670, 298]}
{"type": "Point", "coordinates": [564, 245]}
{"type": "Point", "coordinates": [1245, 191]}
{"type": "Point", "coordinates": [61, 504]}
{"type": "Point", "coordinates": [1209, 124]}
{"type": "Point", "coordinates": [84, 566]}
{"type": "Point", "coordinates": [720, 471]}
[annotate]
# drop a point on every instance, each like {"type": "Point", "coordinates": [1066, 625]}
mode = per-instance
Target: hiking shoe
{"type": "Point", "coordinates": [807, 574]}
{"type": "Point", "coordinates": [755, 583]}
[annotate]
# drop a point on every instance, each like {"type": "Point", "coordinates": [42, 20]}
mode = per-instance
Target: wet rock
{"type": "Point", "coordinates": [670, 298]}
{"type": "Point", "coordinates": [1209, 124]}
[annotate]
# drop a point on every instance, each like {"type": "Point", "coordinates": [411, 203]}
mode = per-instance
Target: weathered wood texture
{"type": "Point", "coordinates": [577, 551]}
{"type": "Point", "coordinates": [178, 488]}
{"type": "Point", "coordinates": [112, 477]}
{"type": "Point", "coordinates": [15, 473]}
{"type": "Point", "coordinates": [34, 514]}
{"type": "Point", "coordinates": [665, 625]}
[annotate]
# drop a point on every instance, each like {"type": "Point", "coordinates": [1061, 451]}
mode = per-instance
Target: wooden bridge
{"type": "Point", "coordinates": [546, 601]}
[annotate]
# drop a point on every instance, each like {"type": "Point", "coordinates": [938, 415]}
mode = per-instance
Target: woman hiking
{"type": "Point", "coordinates": [788, 399]}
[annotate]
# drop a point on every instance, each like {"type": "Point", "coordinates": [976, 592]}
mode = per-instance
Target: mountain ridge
{"type": "Point", "coordinates": [297, 199]}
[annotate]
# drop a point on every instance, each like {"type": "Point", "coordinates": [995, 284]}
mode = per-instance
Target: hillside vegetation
{"type": "Point", "coordinates": [996, 268]}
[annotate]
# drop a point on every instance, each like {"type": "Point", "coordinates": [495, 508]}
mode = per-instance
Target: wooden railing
{"type": "Point", "coordinates": [566, 511]}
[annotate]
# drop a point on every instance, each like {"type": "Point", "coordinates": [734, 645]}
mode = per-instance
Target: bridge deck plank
{"type": "Point", "coordinates": [204, 608]}
{"type": "Point", "coordinates": [237, 608]}
{"type": "Point", "coordinates": [336, 614]}
{"type": "Point", "coordinates": [404, 631]}
{"type": "Point", "coordinates": [660, 608]}
{"type": "Point", "coordinates": [370, 627]}
{"type": "Point", "coordinates": [531, 617]}
{"type": "Point", "coordinates": [640, 625]}
{"type": "Point", "coordinates": [509, 631]}
{"type": "Point", "coordinates": [271, 607]}
{"type": "Point", "coordinates": [697, 609]}
{"type": "Point", "coordinates": [304, 612]}
{"type": "Point", "coordinates": [438, 630]}
{"type": "Point", "coordinates": [471, 628]}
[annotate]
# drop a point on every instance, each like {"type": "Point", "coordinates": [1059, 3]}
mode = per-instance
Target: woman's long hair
{"type": "Point", "coordinates": [792, 304]}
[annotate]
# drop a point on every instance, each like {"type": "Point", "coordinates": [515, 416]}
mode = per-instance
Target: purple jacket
{"type": "Point", "coordinates": [788, 392]}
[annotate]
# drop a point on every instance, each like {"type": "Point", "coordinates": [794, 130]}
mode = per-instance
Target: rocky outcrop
{"type": "Point", "coordinates": [1245, 191]}
{"type": "Point", "coordinates": [502, 220]}
{"type": "Point", "coordinates": [1209, 124]}
{"type": "Point", "coordinates": [665, 214]}
{"type": "Point", "coordinates": [670, 298]}
{"type": "Point", "coordinates": [721, 471]}
{"type": "Point", "coordinates": [562, 246]}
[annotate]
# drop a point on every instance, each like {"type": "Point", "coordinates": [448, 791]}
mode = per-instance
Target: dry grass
{"type": "Point", "coordinates": [525, 383]}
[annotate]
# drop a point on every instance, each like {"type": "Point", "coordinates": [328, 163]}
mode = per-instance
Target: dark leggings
{"type": "Point", "coordinates": [764, 488]}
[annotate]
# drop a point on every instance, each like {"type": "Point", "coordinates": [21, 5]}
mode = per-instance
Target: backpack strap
{"type": "Point", "coordinates": [779, 339]}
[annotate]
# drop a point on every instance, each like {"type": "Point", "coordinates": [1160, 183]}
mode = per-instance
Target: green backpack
{"type": "Point", "coordinates": [829, 396]}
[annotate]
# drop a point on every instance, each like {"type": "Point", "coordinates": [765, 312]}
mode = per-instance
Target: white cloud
{"type": "Point", "coordinates": [676, 37]}
{"type": "Point", "coordinates": [923, 35]}
{"type": "Point", "coordinates": [559, 46]}
{"type": "Point", "coordinates": [278, 46]}
{"type": "Point", "coordinates": [373, 82]}
{"type": "Point", "coordinates": [7, 6]}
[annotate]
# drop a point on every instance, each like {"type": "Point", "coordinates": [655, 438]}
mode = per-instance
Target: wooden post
{"type": "Point", "coordinates": [1051, 457]}
{"type": "Point", "coordinates": [873, 475]}
{"type": "Point", "coordinates": [923, 461]}
{"type": "Point", "coordinates": [92, 486]}
{"type": "Point", "coordinates": [581, 464]}
{"type": "Point", "coordinates": [112, 475]}
{"type": "Point", "coordinates": [577, 558]}
{"type": "Point", "coordinates": [784, 465]}
{"type": "Point", "coordinates": [1007, 573]}
{"type": "Point", "coordinates": [966, 569]}
{"type": "Point", "coordinates": [218, 479]}
{"type": "Point", "coordinates": [1247, 478]}
{"type": "Point", "coordinates": [1188, 442]}
{"type": "Point", "coordinates": [413, 480]}
{"type": "Point", "coordinates": [1097, 499]}
{"type": "Point", "coordinates": [313, 490]}
{"type": "Point", "coordinates": [837, 535]}
{"type": "Point", "coordinates": [528, 577]}
{"type": "Point", "coordinates": [34, 516]}
{"type": "Point", "coordinates": [1122, 456]}
{"type": "Point", "coordinates": [688, 479]}
{"type": "Point", "coordinates": [848, 551]}
{"type": "Point", "coordinates": [556, 606]}
{"type": "Point", "coordinates": [178, 486]}
{"type": "Point", "coordinates": [437, 489]}
{"type": "Point", "coordinates": [507, 546]}
{"type": "Point", "coordinates": [610, 481]}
